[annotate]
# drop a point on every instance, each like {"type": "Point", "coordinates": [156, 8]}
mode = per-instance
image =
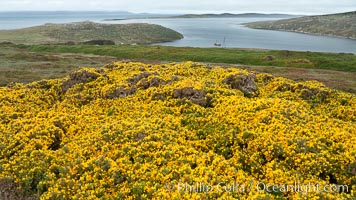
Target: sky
{"type": "Point", "coordinates": [184, 6]}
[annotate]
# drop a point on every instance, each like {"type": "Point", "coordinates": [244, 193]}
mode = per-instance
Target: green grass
{"type": "Point", "coordinates": [331, 61]}
{"type": "Point", "coordinates": [342, 24]}
{"type": "Point", "coordinates": [21, 63]}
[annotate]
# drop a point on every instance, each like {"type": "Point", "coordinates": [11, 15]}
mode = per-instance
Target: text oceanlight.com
{"type": "Point", "coordinates": [236, 187]}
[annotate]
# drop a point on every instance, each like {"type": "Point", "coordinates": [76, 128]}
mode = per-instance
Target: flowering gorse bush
{"type": "Point", "coordinates": [136, 131]}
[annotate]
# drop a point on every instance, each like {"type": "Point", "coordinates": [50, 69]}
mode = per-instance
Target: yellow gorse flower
{"type": "Point", "coordinates": [132, 130]}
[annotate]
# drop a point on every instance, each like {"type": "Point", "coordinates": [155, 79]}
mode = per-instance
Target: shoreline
{"type": "Point", "coordinates": [303, 32]}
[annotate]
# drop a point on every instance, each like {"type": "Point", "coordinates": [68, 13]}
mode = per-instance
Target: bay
{"type": "Point", "coordinates": [204, 32]}
{"type": "Point", "coordinates": [198, 32]}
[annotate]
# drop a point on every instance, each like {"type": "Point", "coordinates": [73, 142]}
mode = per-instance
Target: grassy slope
{"type": "Point", "coordinates": [332, 61]}
{"type": "Point", "coordinates": [85, 31]}
{"type": "Point", "coordinates": [23, 65]}
{"type": "Point", "coordinates": [343, 24]}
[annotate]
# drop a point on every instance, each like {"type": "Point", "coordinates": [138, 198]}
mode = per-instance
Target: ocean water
{"type": "Point", "coordinates": [202, 32]}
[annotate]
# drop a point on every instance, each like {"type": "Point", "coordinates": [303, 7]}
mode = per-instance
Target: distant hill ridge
{"type": "Point", "coordinates": [233, 15]}
{"type": "Point", "coordinates": [346, 13]}
{"type": "Point", "coordinates": [208, 15]}
{"type": "Point", "coordinates": [340, 24]}
{"type": "Point", "coordinates": [81, 32]}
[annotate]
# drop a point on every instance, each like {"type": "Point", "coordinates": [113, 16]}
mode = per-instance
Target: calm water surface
{"type": "Point", "coordinates": [205, 32]}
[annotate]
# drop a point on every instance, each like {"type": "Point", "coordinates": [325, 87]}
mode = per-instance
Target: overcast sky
{"type": "Point", "coordinates": [186, 6]}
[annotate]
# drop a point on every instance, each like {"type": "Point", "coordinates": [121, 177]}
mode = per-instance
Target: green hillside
{"type": "Point", "coordinates": [342, 25]}
{"type": "Point", "coordinates": [82, 32]}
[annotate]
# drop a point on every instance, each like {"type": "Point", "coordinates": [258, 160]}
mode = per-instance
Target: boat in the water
{"type": "Point", "coordinates": [218, 44]}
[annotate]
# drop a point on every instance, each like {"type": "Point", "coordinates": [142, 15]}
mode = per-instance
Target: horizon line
{"type": "Point", "coordinates": [181, 13]}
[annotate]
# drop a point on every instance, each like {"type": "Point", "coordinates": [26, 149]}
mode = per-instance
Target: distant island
{"type": "Point", "coordinates": [230, 15]}
{"type": "Point", "coordinates": [222, 15]}
{"type": "Point", "coordinates": [341, 25]}
{"type": "Point", "coordinates": [90, 33]}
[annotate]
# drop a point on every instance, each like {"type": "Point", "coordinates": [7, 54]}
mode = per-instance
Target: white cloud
{"type": "Point", "coordinates": [186, 6]}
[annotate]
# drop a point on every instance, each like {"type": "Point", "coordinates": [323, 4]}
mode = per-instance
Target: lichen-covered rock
{"type": "Point", "coordinates": [120, 92]}
{"type": "Point", "coordinates": [153, 82]}
{"type": "Point", "coordinates": [80, 76]}
{"type": "Point", "coordinates": [196, 96]}
{"type": "Point", "coordinates": [135, 79]}
{"type": "Point", "coordinates": [245, 83]}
